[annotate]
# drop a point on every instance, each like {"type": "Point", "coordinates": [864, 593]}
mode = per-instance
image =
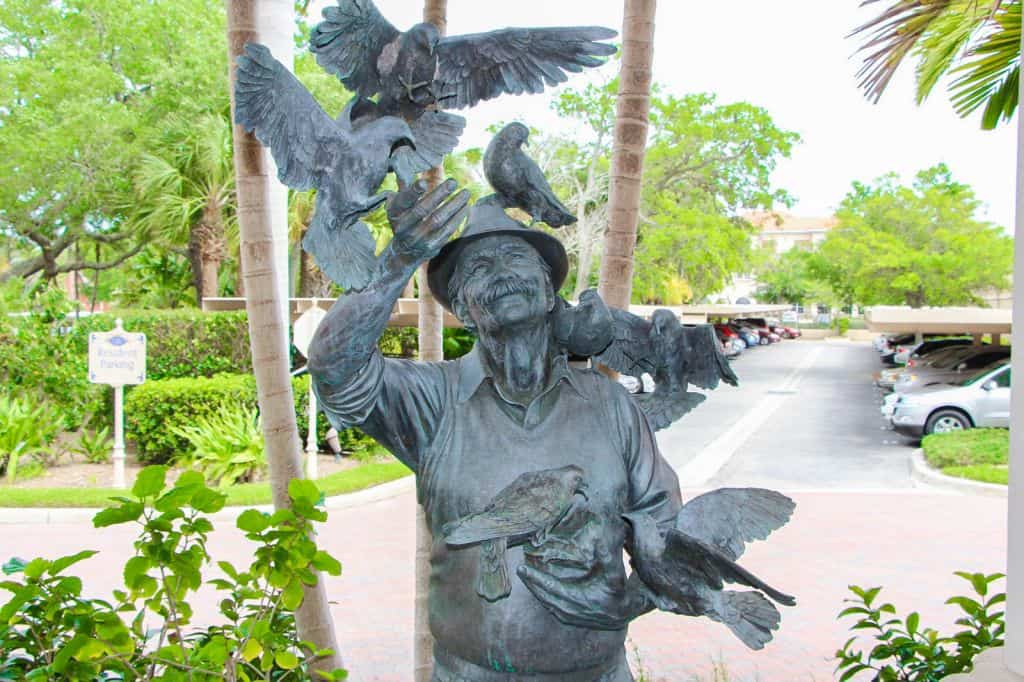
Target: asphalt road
{"type": "Point", "coordinates": [805, 417]}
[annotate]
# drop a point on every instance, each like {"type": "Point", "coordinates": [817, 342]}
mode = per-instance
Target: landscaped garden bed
{"type": "Point", "coordinates": [976, 454]}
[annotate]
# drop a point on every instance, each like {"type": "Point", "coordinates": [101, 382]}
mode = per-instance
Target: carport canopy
{"type": "Point", "coordinates": [954, 320]}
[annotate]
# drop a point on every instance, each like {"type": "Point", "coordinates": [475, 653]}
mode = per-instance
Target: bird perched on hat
{"type": "Point", "coordinates": [518, 181]}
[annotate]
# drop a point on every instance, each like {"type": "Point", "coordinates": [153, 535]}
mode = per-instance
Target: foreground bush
{"type": "Point", "coordinates": [903, 650]}
{"type": "Point", "coordinates": [227, 447]}
{"type": "Point", "coordinates": [25, 431]}
{"type": "Point", "coordinates": [49, 631]}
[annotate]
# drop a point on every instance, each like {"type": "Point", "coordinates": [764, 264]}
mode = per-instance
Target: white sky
{"type": "Point", "coordinates": [788, 56]}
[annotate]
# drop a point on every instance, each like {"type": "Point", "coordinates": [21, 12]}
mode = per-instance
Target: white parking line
{"type": "Point", "coordinates": [709, 461]}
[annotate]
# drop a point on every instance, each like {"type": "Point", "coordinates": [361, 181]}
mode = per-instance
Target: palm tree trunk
{"type": "Point", "coordinates": [631, 115]}
{"type": "Point", "coordinates": [431, 342]}
{"type": "Point", "coordinates": [266, 331]}
{"type": "Point", "coordinates": [210, 243]}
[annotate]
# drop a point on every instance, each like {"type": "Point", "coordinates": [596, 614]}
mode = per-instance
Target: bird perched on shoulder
{"type": "Point", "coordinates": [418, 69]}
{"type": "Point", "coordinates": [526, 509]}
{"type": "Point", "coordinates": [517, 179]}
{"type": "Point", "coordinates": [345, 163]}
{"type": "Point", "coordinates": [673, 355]}
{"type": "Point", "coordinates": [686, 566]}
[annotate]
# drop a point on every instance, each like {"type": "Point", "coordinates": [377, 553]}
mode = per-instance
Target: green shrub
{"type": "Point", "coordinates": [94, 446]}
{"type": "Point", "coordinates": [842, 325]}
{"type": "Point", "coordinates": [904, 650]}
{"type": "Point", "coordinates": [967, 447]}
{"type": "Point", "coordinates": [154, 409]}
{"type": "Point", "coordinates": [50, 631]}
{"type": "Point", "coordinates": [226, 447]}
{"type": "Point", "coordinates": [24, 431]}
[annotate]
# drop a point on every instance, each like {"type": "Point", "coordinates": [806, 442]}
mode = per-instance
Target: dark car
{"type": "Point", "coordinates": [933, 345]}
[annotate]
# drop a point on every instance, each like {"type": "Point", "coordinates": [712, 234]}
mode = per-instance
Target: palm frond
{"type": "Point", "coordinates": [990, 74]}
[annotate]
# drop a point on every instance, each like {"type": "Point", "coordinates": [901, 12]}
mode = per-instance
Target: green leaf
{"type": "Point", "coordinates": [303, 490]}
{"type": "Point", "coordinates": [13, 565]}
{"type": "Point", "coordinates": [63, 562]}
{"type": "Point", "coordinates": [150, 481]}
{"type": "Point", "coordinates": [63, 657]}
{"type": "Point", "coordinates": [35, 568]}
{"type": "Point", "coordinates": [135, 568]}
{"type": "Point", "coordinates": [291, 596]}
{"type": "Point", "coordinates": [913, 620]}
{"type": "Point", "coordinates": [208, 501]}
{"type": "Point", "coordinates": [115, 515]}
{"type": "Point", "coordinates": [251, 650]}
{"type": "Point", "coordinates": [286, 660]}
{"type": "Point", "coordinates": [323, 561]}
{"type": "Point", "coordinates": [253, 521]}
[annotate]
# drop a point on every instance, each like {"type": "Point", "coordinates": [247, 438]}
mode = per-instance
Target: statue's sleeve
{"type": "Point", "coordinates": [397, 402]}
{"type": "Point", "coordinates": [653, 484]}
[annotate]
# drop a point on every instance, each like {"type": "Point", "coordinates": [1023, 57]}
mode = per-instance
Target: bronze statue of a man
{"type": "Point", "coordinates": [472, 426]}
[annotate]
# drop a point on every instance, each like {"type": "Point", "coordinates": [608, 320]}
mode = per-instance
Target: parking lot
{"type": "Point", "coordinates": [806, 417]}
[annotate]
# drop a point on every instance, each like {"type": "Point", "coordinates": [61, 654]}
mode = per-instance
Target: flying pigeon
{"type": "Point", "coordinates": [524, 510]}
{"type": "Point", "coordinates": [345, 162]}
{"type": "Point", "coordinates": [518, 181]}
{"type": "Point", "coordinates": [687, 572]}
{"type": "Point", "coordinates": [673, 355]}
{"type": "Point", "coordinates": [419, 68]}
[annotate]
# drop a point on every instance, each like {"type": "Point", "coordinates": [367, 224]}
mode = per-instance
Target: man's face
{"type": "Point", "coordinates": [504, 282]}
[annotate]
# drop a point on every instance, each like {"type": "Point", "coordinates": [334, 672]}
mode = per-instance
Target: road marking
{"type": "Point", "coordinates": [709, 461]}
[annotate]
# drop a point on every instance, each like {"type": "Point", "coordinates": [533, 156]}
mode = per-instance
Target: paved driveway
{"type": "Point", "coordinates": [815, 434]}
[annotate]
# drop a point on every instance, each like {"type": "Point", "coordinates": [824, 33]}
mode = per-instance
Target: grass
{"type": "Point", "coordinates": [986, 473]}
{"type": "Point", "coordinates": [977, 454]}
{"type": "Point", "coordinates": [246, 494]}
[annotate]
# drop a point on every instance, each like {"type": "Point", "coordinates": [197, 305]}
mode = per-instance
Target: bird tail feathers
{"type": "Point", "coordinates": [492, 581]}
{"type": "Point", "coordinates": [558, 216]}
{"type": "Point", "coordinates": [750, 616]}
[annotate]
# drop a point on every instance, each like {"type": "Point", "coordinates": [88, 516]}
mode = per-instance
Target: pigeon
{"type": "Point", "coordinates": [419, 68]}
{"type": "Point", "coordinates": [345, 162]}
{"type": "Point", "coordinates": [518, 181]}
{"type": "Point", "coordinates": [436, 134]}
{"type": "Point", "coordinates": [585, 329]}
{"type": "Point", "coordinates": [673, 355]}
{"type": "Point", "coordinates": [686, 566]}
{"type": "Point", "coordinates": [525, 510]}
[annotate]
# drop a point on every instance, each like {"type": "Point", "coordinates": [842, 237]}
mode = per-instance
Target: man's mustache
{"type": "Point", "coordinates": [506, 287]}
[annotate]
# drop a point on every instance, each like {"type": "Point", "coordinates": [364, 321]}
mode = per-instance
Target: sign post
{"type": "Point", "coordinates": [117, 358]}
{"type": "Point", "coordinates": [302, 336]}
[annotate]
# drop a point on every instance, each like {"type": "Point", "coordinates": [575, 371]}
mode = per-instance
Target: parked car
{"type": "Point", "coordinates": [950, 370]}
{"type": "Point", "coordinates": [749, 336]}
{"type": "Point", "coordinates": [786, 332]}
{"type": "Point", "coordinates": [981, 399]}
{"type": "Point", "coordinates": [760, 327]}
{"type": "Point", "coordinates": [909, 352]}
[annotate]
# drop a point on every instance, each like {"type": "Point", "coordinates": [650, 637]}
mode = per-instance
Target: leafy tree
{"type": "Point", "coordinates": [786, 278]}
{"type": "Point", "coordinates": [976, 42]}
{"type": "Point", "coordinates": [919, 245]}
{"type": "Point", "coordinates": [81, 81]}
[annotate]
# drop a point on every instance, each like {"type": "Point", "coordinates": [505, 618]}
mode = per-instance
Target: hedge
{"type": "Point", "coordinates": [153, 407]}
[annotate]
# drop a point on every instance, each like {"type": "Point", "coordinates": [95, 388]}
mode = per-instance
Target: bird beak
{"type": "Point", "coordinates": [582, 490]}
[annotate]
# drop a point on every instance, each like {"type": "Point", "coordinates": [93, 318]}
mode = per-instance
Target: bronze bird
{"type": "Point", "coordinates": [345, 162]}
{"type": "Point", "coordinates": [525, 510]}
{"type": "Point", "coordinates": [518, 181]}
{"type": "Point", "coordinates": [674, 355]}
{"type": "Point", "coordinates": [686, 566]}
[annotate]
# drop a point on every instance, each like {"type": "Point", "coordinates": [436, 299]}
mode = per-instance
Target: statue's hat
{"type": "Point", "coordinates": [488, 218]}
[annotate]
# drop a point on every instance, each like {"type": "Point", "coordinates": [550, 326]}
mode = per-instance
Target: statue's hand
{"type": "Point", "coordinates": [580, 578]}
{"type": "Point", "coordinates": [423, 221]}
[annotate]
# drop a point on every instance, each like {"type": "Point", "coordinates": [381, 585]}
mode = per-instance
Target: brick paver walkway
{"type": "Point", "coordinates": [910, 542]}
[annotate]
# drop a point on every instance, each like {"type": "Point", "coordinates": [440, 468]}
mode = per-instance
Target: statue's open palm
{"type": "Point", "coordinates": [424, 221]}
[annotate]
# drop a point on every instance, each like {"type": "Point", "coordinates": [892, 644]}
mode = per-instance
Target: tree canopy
{"type": "Point", "coordinates": [917, 245]}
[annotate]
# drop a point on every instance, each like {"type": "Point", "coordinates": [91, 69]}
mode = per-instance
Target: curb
{"type": "Point", "coordinates": [923, 472]}
{"type": "Point", "coordinates": [44, 515]}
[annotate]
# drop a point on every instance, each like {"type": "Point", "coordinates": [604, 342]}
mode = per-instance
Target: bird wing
{"type": "Point", "coordinates": [664, 406]}
{"type": "Point", "coordinates": [347, 257]}
{"type": "Point", "coordinates": [273, 104]}
{"type": "Point", "coordinates": [630, 351]}
{"type": "Point", "coordinates": [729, 518]}
{"type": "Point", "coordinates": [713, 567]}
{"type": "Point", "coordinates": [436, 134]}
{"type": "Point", "coordinates": [703, 363]}
{"type": "Point", "coordinates": [348, 42]}
{"type": "Point", "coordinates": [481, 66]}
{"type": "Point", "coordinates": [489, 525]}
{"type": "Point", "coordinates": [536, 182]}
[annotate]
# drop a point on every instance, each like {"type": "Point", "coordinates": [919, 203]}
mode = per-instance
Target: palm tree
{"type": "Point", "coordinates": [267, 333]}
{"type": "Point", "coordinates": [977, 42]}
{"type": "Point", "coordinates": [185, 194]}
{"type": "Point", "coordinates": [629, 142]}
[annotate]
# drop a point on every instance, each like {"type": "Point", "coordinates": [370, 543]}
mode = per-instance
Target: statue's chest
{"type": "Point", "coordinates": [487, 448]}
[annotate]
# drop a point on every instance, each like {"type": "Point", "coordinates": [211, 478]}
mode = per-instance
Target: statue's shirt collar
{"type": "Point", "coordinates": [473, 372]}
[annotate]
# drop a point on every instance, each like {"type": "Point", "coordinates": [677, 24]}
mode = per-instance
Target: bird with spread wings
{"type": "Point", "coordinates": [414, 72]}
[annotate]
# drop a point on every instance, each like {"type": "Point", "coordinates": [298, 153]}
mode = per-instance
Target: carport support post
{"type": "Point", "coordinates": [1014, 649]}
